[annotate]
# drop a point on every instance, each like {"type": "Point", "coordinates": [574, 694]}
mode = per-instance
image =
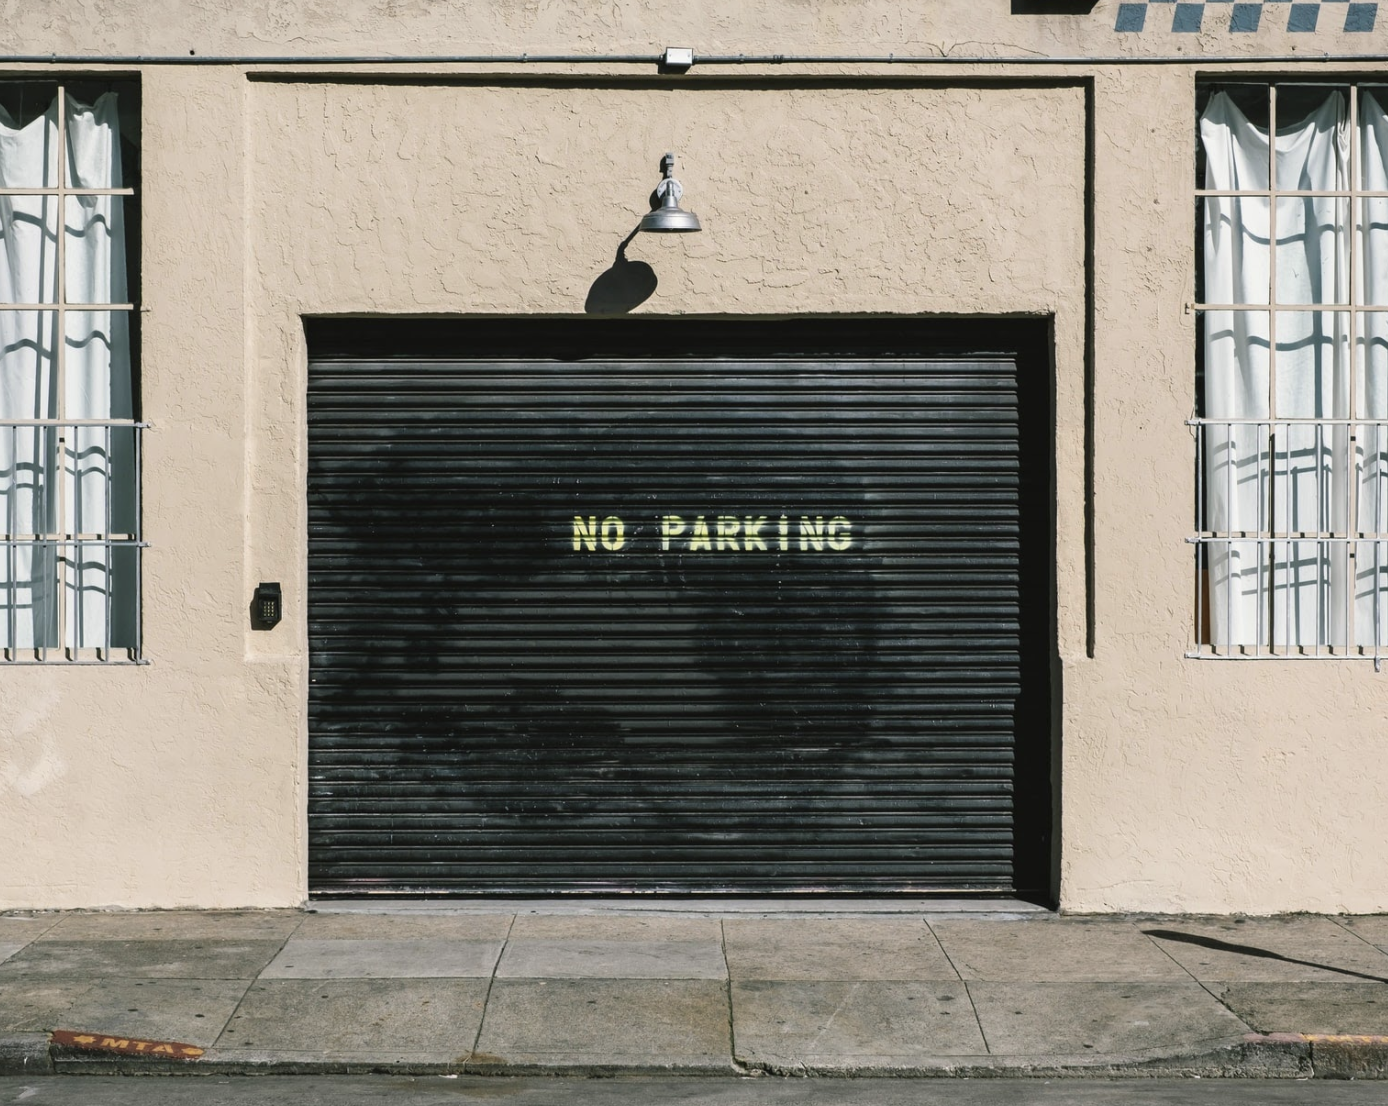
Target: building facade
{"type": "Point", "coordinates": [988, 498]}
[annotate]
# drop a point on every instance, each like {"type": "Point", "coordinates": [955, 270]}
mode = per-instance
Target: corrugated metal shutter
{"type": "Point", "coordinates": [698, 624]}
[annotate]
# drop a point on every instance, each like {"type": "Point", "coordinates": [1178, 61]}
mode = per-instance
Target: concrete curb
{"type": "Point", "coordinates": [1340, 1056]}
{"type": "Point", "coordinates": [268, 1065]}
{"type": "Point", "coordinates": [281, 1063]}
{"type": "Point", "coordinates": [601, 1070]}
{"type": "Point", "coordinates": [1256, 1056]}
{"type": "Point", "coordinates": [1238, 1058]}
{"type": "Point", "coordinates": [25, 1054]}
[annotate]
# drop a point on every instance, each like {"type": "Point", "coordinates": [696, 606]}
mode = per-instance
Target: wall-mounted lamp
{"type": "Point", "coordinates": [668, 217]}
{"type": "Point", "coordinates": [267, 606]}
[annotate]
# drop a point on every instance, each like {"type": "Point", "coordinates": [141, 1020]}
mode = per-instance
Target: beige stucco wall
{"type": "Point", "coordinates": [926, 28]}
{"type": "Point", "coordinates": [533, 189]}
{"type": "Point", "coordinates": [176, 782]}
{"type": "Point", "coordinates": [1190, 785]}
{"type": "Point", "coordinates": [270, 194]}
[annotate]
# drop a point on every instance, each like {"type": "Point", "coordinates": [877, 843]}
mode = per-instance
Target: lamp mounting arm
{"type": "Point", "coordinates": [668, 184]}
{"type": "Point", "coordinates": [671, 186]}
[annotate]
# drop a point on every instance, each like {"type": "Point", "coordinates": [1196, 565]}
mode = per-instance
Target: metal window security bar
{"type": "Point", "coordinates": [59, 580]}
{"type": "Point", "coordinates": [1291, 427]}
{"type": "Point", "coordinates": [70, 462]}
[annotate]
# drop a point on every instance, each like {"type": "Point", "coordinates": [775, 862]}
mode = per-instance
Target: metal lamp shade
{"type": "Point", "coordinates": [669, 217]}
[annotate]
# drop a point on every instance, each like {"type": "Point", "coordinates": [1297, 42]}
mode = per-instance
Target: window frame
{"type": "Point", "coordinates": [1267, 431]}
{"type": "Point", "coordinates": [67, 545]}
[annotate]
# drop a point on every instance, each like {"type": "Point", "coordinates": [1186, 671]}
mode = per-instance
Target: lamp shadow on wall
{"type": "Point", "coordinates": [622, 287]}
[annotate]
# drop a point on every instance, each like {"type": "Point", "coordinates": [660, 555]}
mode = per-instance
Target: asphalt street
{"type": "Point", "coordinates": [306, 1090]}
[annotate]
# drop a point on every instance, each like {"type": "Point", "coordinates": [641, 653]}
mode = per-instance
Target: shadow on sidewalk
{"type": "Point", "coordinates": [1252, 950]}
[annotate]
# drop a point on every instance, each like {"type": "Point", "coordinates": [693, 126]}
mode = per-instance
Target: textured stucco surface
{"type": "Point", "coordinates": [1184, 785]}
{"type": "Point", "coordinates": [928, 28]}
{"type": "Point", "coordinates": [172, 783]}
{"type": "Point", "coordinates": [880, 200]}
{"type": "Point", "coordinates": [1188, 785]}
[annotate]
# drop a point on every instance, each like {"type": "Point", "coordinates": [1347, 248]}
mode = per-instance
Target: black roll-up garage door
{"type": "Point", "coordinates": [684, 606]}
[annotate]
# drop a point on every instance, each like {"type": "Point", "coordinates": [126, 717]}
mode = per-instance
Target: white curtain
{"type": "Point", "coordinates": [89, 488]}
{"type": "Point", "coordinates": [1371, 400]}
{"type": "Point", "coordinates": [1276, 477]}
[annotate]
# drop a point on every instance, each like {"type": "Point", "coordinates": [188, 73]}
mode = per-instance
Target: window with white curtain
{"type": "Point", "coordinates": [69, 434]}
{"type": "Point", "coordinates": [1291, 423]}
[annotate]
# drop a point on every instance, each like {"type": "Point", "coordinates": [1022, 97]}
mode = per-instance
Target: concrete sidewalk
{"type": "Point", "coordinates": [430, 989]}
